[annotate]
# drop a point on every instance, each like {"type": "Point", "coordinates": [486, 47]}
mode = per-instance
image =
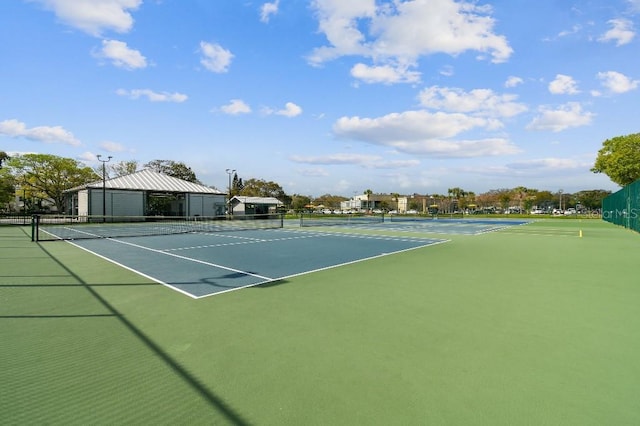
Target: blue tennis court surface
{"type": "Point", "coordinates": [412, 224]}
{"type": "Point", "coordinates": [205, 264]}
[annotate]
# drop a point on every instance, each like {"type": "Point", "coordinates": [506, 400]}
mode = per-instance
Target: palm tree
{"type": "Point", "coordinates": [521, 192]}
{"type": "Point", "coordinates": [396, 197]}
{"type": "Point", "coordinates": [368, 193]}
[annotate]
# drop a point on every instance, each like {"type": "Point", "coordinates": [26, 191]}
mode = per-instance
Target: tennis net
{"type": "Point", "coordinates": [56, 227]}
{"type": "Point", "coordinates": [346, 219]}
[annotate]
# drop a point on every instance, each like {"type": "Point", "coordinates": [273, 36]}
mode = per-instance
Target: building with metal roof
{"type": "Point", "coordinates": [145, 193]}
{"type": "Point", "coordinates": [241, 205]}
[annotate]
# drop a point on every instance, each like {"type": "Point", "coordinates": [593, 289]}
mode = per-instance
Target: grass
{"type": "Point", "coordinates": [531, 325]}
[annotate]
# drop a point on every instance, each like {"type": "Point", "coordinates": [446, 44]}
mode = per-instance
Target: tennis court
{"type": "Point", "coordinates": [207, 263]}
{"type": "Point", "coordinates": [453, 226]}
{"type": "Point", "coordinates": [528, 324]}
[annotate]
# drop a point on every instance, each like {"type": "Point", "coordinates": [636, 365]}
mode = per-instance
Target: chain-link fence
{"type": "Point", "coordinates": [623, 207]}
{"type": "Point", "coordinates": [14, 219]}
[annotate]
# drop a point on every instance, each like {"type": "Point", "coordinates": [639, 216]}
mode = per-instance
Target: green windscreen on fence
{"type": "Point", "coordinates": [623, 207]}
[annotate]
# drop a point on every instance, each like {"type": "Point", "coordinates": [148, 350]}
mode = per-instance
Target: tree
{"type": "Point", "coordinates": [123, 168]}
{"type": "Point", "coordinates": [505, 199]}
{"type": "Point", "coordinates": [619, 158]}
{"type": "Point", "coordinates": [3, 157]}
{"type": "Point", "coordinates": [262, 188]}
{"type": "Point", "coordinates": [330, 201]}
{"type": "Point", "coordinates": [521, 194]}
{"type": "Point", "coordinates": [368, 193]}
{"type": "Point", "coordinates": [458, 195]}
{"type": "Point", "coordinates": [591, 199]}
{"type": "Point", "coordinates": [545, 199]}
{"type": "Point", "coordinates": [237, 185]}
{"type": "Point", "coordinates": [396, 198]}
{"type": "Point", "coordinates": [47, 176]}
{"type": "Point", "coordinates": [7, 182]}
{"type": "Point", "coordinates": [172, 168]}
{"type": "Point", "coordinates": [298, 202]}
{"type": "Point", "coordinates": [7, 188]}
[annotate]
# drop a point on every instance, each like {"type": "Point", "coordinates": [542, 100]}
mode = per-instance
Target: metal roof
{"type": "Point", "coordinates": [256, 200]}
{"type": "Point", "coordinates": [148, 180]}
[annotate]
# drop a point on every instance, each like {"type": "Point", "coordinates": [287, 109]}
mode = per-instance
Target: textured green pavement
{"type": "Point", "coordinates": [528, 326]}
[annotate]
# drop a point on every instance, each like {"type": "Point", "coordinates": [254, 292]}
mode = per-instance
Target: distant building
{"type": "Point", "coordinates": [145, 193]}
{"type": "Point", "coordinates": [241, 205]}
{"type": "Point", "coordinates": [374, 202]}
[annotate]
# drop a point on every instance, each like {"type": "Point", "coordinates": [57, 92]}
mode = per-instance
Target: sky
{"type": "Point", "coordinates": [327, 96]}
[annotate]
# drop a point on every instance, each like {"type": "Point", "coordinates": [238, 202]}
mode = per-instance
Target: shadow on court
{"type": "Point", "coordinates": [270, 284]}
{"type": "Point", "coordinates": [213, 400]}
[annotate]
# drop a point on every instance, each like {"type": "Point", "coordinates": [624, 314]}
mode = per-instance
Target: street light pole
{"type": "Point", "coordinates": [230, 172]}
{"type": "Point", "coordinates": [104, 180]}
{"type": "Point", "coordinates": [560, 206]}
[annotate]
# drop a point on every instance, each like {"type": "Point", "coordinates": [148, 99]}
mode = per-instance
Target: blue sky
{"type": "Point", "coordinates": [327, 96]}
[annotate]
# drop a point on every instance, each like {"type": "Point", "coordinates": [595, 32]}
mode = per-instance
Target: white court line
{"type": "Point", "coordinates": [322, 269]}
{"type": "Point", "coordinates": [302, 234]}
{"type": "Point", "coordinates": [190, 259]}
{"type": "Point", "coordinates": [142, 274]}
{"type": "Point", "coordinates": [266, 280]}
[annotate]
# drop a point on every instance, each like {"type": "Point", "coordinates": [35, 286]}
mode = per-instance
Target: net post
{"type": "Point", "coordinates": [35, 226]}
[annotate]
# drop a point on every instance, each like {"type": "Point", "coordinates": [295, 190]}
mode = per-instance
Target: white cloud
{"type": "Point", "coordinates": [290, 110]}
{"type": "Point", "coordinates": [550, 167]}
{"type": "Point", "coordinates": [621, 32]}
{"type": "Point", "coordinates": [338, 21]}
{"type": "Point", "coordinates": [566, 116]}
{"type": "Point", "coordinates": [459, 148]}
{"type": "Point", "coordinates": [314, 172]}
{"type": "Point", "coordinates": [546, 164]}
{"type": "Point", "coordinates": [367, 161]}
{"type": "Point", "coordinates": [236, 107]}
{"type": "Point", "coordinates": [574, 30]}
{"type": "Point", "coordinates": [386, 74]}
{"type": "Point", "coordinates": [112, 146]}
{"type": "Point", "coordinates": [87, 157]}
{"type": "Point", "coordinates": [340, 158]}
{"type": "Point", "coordinates": [153, 96]}
{"type": "Point", "coordinates": [424, 133]}
{"type": "Point", "coordinates": [94, 16]}
{"type": "Point", "coordinates": [47, 134]}
{"type": "Point", "coordinates": [405, 30]}
{"type": "Point", "coordinates": [408, 125]}
{"type": "Point", "coordinates": [447, 71]}
{"type": "Point", "coordinates": [563, 85]}
{"type": "Point", "coordinates": [616, 82]}
{"type": "Point", "coordinates": [513, 81]}
{"type": "Point", "coordinates": [121, 55]}
{"type": "Point", "coordinates": [267, 10]}
{"type": "Point", "coordinates": [215, 58]}
{"type": "Point", "coordinates": [480, 101]}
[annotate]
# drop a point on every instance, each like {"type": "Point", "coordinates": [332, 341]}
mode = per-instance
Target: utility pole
{"type": "Point", "coordinates": [104, 180]}
{"type": "Point", "coordinates": [230, 172]}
